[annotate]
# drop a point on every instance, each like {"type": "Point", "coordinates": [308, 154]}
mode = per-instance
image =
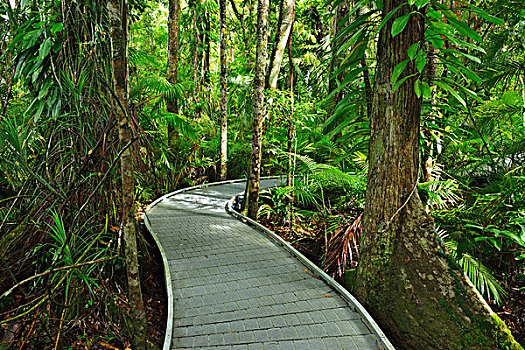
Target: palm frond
{"type": "Point", "coordinates": [479, 274]}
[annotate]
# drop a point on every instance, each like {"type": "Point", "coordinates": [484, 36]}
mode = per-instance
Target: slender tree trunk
{"type": "Point", "coordinates": [206, 66]}
{"type": "Point", "coordinates": [368, 87]}
{"type": "Point", "coordinates": [429, 135]}
{"type": "Point", "coordinates": [254, 171]}
{"type": "Point", "coordinates": [224, 93]}
{"type": "Point", "coordinates": [117, 13]}
{"type": "Point", "coordinates": [10, 83]}
{"type": "Point", "coordinates": [173, 56]}
{"type": "Point", "coordinates": [197, 48]}
{"type": "Point", "coordinates": [289, 177]}
{"type": "Point", "coordinates": [291, 128]}
{"type": "Point", "coordinates": [406, 279]}
{"type": "Point", "coordinates": [366, 80]}
{"type": "Point", "coordinates": [281, 39]}
{"type": "Point", "coordinates": [244, 36]}
{"type": "Point", "coordinates": [523, 98]}
{"type": "Point", "coordinates": [341, 10]}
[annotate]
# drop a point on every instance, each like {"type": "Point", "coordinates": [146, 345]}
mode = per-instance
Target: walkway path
{"type": "Point", "coordinates": [235, 288]}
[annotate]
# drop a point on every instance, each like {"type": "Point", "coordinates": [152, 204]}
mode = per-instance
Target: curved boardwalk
{"type": "Point", "coordinates": [234, 288]}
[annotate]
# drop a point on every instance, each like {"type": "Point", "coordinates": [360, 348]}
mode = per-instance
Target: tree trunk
{"type": "Point", "coordinates": [173, 56]}
{"type": "Point", "coordinates": [117, 13]}
{"type": "Point", "coordinates": [207, 48]}
{"type": "Point", "coordinates": [406, 279]}
{"type": "Point", "coordinates": [223, 106]}
{"type": "Point", "coordinates": [254, 171]}
{"type": "Point", "coordinates": [197, 48]}
{"type": "Point", "coordinates": [341, 11]}
{"type": "Point", "coordinates": [281, 39]}
{"type": "Point", "coordinates": [368, 87]}
{"type": "Point", "coordinates": [244, 36]}
{"type": "Point", "coordinates": [434, 147]}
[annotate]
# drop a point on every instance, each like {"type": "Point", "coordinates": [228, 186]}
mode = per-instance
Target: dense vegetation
{"type": "Point", "coordinates": [61, 262]}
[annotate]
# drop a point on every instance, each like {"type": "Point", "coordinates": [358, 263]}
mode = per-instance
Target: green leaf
{"type": "Point", "coordinates": [486, 16]}
{"type": "Point", "coordinates": [31, 38]}
{"type": "Point", "coordinates": [388, 16]}
{"type": "Point", "coordinates": [399, 68]}
{"type": "Point", "coordinates": [465, 29]}
{"type": "Point", "coordinates": [434, 38]}
{"type": "Point", "coordinates": [511, 98]}
{"type": "Point", "coordinates": [57, 27]}
{"type": "Point", "coordinates": [420, 3]}
{"type": "Point", "coordinates": [400, 24]}
{"type": "Point", "coordinates": [401, 81]}
{"type": "Point", "coordinates": [412, 50]}
{"type": "Point", "coordinates": [417, 88]}
{"type": "Point", "coordinates": [45, 48]}
{"type": "Point", "coordinates": [452, 91]}
{"type": "Point", "coordinates": [425, 89]}
{"type": "Point", "coordinates": [459, 42]}
{"type": "Point", "coordinates": [39, 110]}
{"type": "Point", "coordinates": [442, 28]}
{"type": "Point", "coordinates": [44, 88]}
{"type": "Point", "coordinates": [421, 60]}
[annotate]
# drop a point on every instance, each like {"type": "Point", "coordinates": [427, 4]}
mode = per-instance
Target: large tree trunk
{"type": "Point", "coordinates": [117, 12]}
{"type": "Point", "coordinates": [254, 171]}
{"type": "Point", "coordinates": [406, 279]}
{"type": "Point", "coordinates": [281, 39]}
{"type": "Point", "coordinates": [223, 104]}
{"type": "Point", "coordinates": [173, 57]}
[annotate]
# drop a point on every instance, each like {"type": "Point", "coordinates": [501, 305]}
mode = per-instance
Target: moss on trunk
{"type": "Point", "coordinates": [406, 279]}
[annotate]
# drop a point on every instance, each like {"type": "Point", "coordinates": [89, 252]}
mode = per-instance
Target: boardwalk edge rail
{"type": "Point", "coordinates": [384, 343]}
{"type": "Point", "coordinates": [350, 299]}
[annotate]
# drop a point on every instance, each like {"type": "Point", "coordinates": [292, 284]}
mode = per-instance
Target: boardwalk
{"type": "Point", "coordinates": [235, 288]}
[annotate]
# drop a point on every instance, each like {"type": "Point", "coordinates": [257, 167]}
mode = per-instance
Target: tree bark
{"type": "Point", "coordinates": [406, 278]}
{"type": "Point", "coordinates": [223, 104]}
{"type": "Point", "coordinates": [117, 14]}
{"type": "Point", "coordinates": [173, 56]}
{"type": "Point", "coordinates": [244, 36]}
{"type": "Point", "coordinates": [281, 39]}
{"type": "Point", "coordinates": [207, 48]}
{"type": "Point", "coordinates": [341, 10]}
{"type": "Point", "coordinates": [254, 171]}
{"type": "Point", "coordinates": [197, 48]}
{"type": "Point", "coordinates": [368, 87]}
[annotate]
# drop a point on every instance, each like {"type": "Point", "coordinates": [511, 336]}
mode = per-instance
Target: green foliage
{"type": "Point", "coordinates": [478, 273]}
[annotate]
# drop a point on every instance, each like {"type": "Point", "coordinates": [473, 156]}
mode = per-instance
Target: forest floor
{"type": "Point", "coordinates": [94, 328]}
{"type": "Point", "coordinates": [309, 240]}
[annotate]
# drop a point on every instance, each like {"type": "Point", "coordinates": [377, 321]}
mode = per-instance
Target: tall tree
{"type": "Point", "coordinates": [254, 170]}
{"type": "Point", "coordinates": [287, 9]}
{"type": "Point", "coordinates": [173, 57]}
{"type": "Point", "coordinates": [118, 17]}
{"type": "Point", "coordinates": [223, 104]}
{"type": "Point", "coordinates": [406, 278]}
{"type": "Point", "coordinates": [341, 12]}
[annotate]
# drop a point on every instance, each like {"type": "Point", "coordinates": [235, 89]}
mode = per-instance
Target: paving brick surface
{"type": "Point", "coordinates": [234, 288]}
